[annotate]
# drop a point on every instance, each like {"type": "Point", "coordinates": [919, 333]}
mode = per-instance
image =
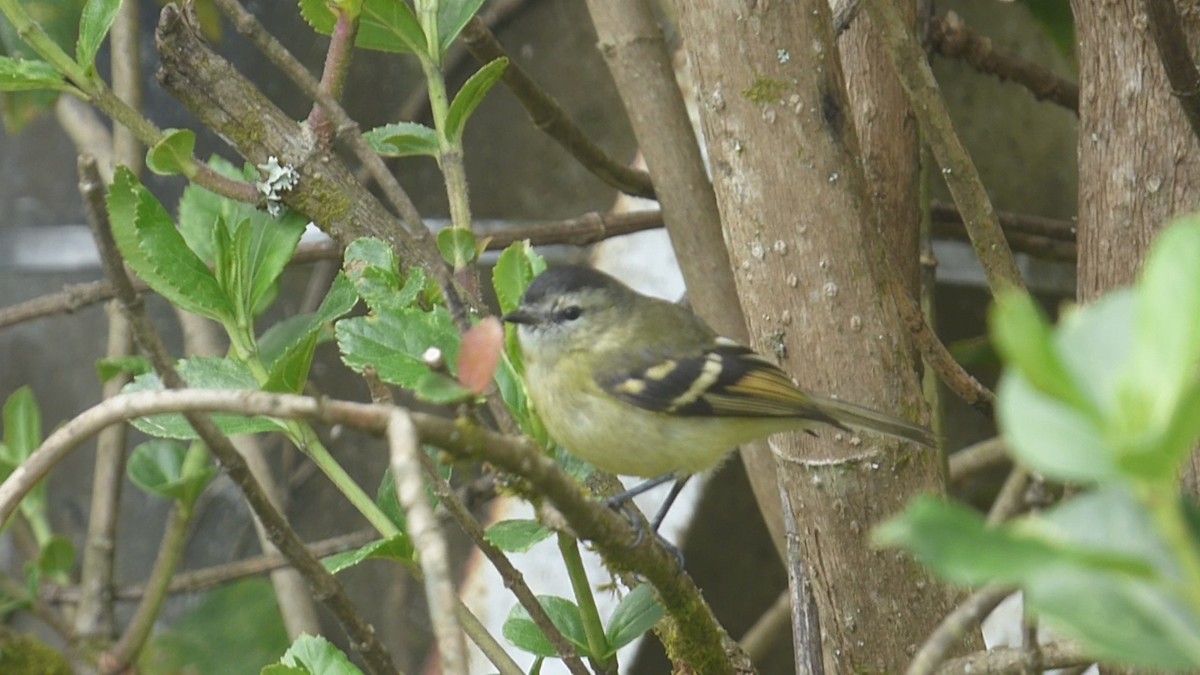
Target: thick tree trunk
{"type": "Point", "coordinates": [1139, 162]}
{"type": "Point", "coordinates": [789, 184]}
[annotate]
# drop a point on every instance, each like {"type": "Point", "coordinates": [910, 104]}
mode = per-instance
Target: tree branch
{"type": "Point", "coordinates": [548, 116]}
{"type": "Point", "coordinates": [957, 168]}
{"type": "Point", "coordinates": [1167, 28]}
{"type": "Point", "coordinates": [952, 38]}
{"type": "Point", "coordinates": [951, 630]}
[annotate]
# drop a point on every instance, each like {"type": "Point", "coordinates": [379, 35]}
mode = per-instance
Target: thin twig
{"type": "Point", "coordinates": [325, 586]}
{"type": "Point", "coordinates": [1013, 223]}
{"type": "Point", "coordinates": [978, 457]}
{"type": "Point", "coordinates": [512, 577]}
{"type": "Point", "coordinates": [196, 581]}
{"type": "Point", "coordinates": [956, 378]}
{"type": "Point", "coordinates": [951, 37]}
{"type": "Point", "coordinates": [333, 76]}
{"type": "Point", "coordinates": [1167, 28]}
{"type": "Point", "coordinates": [548, 116]}
{"type": "Point", "coordinates": [428, 540]}
{"type": "Point", "coordinates": [94, 617]}
{"type": "Point", "coordinates": [170, 552]}
{"type": "Point", "coordinates": [958, 169]}
{"type": "Point", "coordinates": [1011, 498]}
{"type": "Point", "coordinates": [1010, 660]}
{"type": "Point", "coordinates": [954, 627]}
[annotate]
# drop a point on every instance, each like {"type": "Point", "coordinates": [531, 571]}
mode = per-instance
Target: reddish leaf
{"type": "Point", "coordinates": [479, 355]}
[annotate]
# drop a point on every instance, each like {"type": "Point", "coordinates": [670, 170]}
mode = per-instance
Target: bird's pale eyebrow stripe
{"type": "Point", "coordinates": [632, 386]}
{"type": "Point", "coordinates": [713, 365]}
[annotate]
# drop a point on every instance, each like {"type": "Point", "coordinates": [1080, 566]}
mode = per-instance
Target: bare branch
{"type": "Point", "coordinates": [428, 540]}
{"type": "Point", "coordinates": [950, 632]}
{"type": "Point", "coordinates": [1167, 28]}
{"type": "Point", "coordinates": [951, 37]}
{"type": "Point", "coordinates": [958, 169]}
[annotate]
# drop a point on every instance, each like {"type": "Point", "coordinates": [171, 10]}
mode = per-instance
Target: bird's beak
{"type": "Point", "coordinates": [521, 316]}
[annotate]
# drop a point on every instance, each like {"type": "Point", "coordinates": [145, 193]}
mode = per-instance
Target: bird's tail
{"type": "Point", "coordinates": [857, 416]}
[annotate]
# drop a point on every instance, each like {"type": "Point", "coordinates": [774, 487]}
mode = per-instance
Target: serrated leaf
{"type": "Point", "coordinates": [516, 536]}
{"type": "Point", "coordinates": [397, 547]}
{"type": "Point", "coordinates": [393, 342]}
{"type": "Point", "coordinates": [384, 25]}
{"type": "Point", "coordinates": [470, 96]}
{"type": "Point", "coordinates": [637, 613]}
{"type": "Point", "coordinates": [159, 467]}
{"type": "Point", "coordinates": [172, 154]}
{"type": "Point", "coordinates": [371, 265]}
{"type": "Point", "coordinates": [156, 251]}
{"type": "Point", "coordinates": [457, 245]}
{"type": "Point", "coordinates": [453, 15]}
{"type": "Point", "coordinates": [94, 22]}
{"type": "Point", "coordinates": [403, 139]}
{"type": "Point", "coordinates": [29, 75]}
{"type": "Point", "coordinates": [524, 634]}
{"type": "Point", "coordinates": [204, 372]}
{"type": "Point", "coordinates": [319, 657]}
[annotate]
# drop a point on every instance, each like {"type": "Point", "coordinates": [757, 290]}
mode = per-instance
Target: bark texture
{"type": "Point", "coordinates": [1139, 164]}
{"type": "Point", "coordinates": [790, 188]}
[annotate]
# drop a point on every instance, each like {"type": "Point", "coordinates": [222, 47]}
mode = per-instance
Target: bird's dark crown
{"type": "Point", "coordinates": [568, 279]}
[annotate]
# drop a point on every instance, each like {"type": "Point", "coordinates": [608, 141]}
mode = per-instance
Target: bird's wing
{"type": "Point", "coordinates": [720, 380]}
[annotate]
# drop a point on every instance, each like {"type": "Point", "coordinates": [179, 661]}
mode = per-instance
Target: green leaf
{"type": "Point", "coordinates": [206, 372]}
{"type": "Point", "coordinates": [199, 209]}
{"type": "Point", "coordinates": [1051, 437]}
{"type": "Point", "coordinates": [635, 614]}
{"type": "Point", "coordinates": [283, 345]}
{"type": "Point", "coordinates": [172, 154]}
{"type": "Point", "coordinates": [524, 634]}
{"type": "Point", "coordinates": [512, 274]}
{"type": "Point", "coordinates": [155, 250]}
{"type": "Point", "coordinates": [108, 368]}
{"type": "Point", "coordinates": [394, 341]}
{"type": "Point", "coordinates": [397, 547]}
{"type": "Point", "coordinates": [319, 657]}
{"type": "Point", "coordinates": [56, 558]}
{"type": "Point", "coordinates": [389, 502]}
{"type": "Point", "coordinates": [279, 669]}
{"type": "Point", "coordinates": [372, 267]}
{"type": "Point", "coordinates": [1023, 336]}
{"type": "Point", "coordinates": [29, 74]}
{"type": "Point", "coordinates": [403, 139]}
{"type": "Point", "coordinates": [384, 25]}
{"type": "Point", "coordinates": [470, 96]}
{"type": "Point", "coordinates": [453, 15]}
{"type": "Point", "coordinates": [516, 536]}
{"type": "Point", "coordinates": [22, 427]}
{"type": "Point", "coordinates": [439, 389]}
{"type": "Point", "coordinates": [160, 467]}
{"type": "Point", "coordinates": [956, 543]}
{"type": "Point", "coordinates": [241, 619]}
{"type": "Point", "coordinates": [94, 22]}
{"type": "Point", "coordinates": [1166, 356]}
{"type": "Point", "coordinates": [457, 245]}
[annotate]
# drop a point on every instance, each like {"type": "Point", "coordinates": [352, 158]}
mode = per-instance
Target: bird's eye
{"type": "Point", "coordinates": [570, 313]}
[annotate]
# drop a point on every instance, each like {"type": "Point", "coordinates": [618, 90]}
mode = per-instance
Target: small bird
{"type": "Point", "coordinates": [643, 387]}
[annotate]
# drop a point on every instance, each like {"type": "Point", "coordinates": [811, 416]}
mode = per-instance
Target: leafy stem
{"type": "Point", "coordinates": [593, 626]}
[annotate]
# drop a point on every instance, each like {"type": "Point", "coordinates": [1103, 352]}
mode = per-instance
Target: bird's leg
{"type": "Point", "coordinates": [619, 502]}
